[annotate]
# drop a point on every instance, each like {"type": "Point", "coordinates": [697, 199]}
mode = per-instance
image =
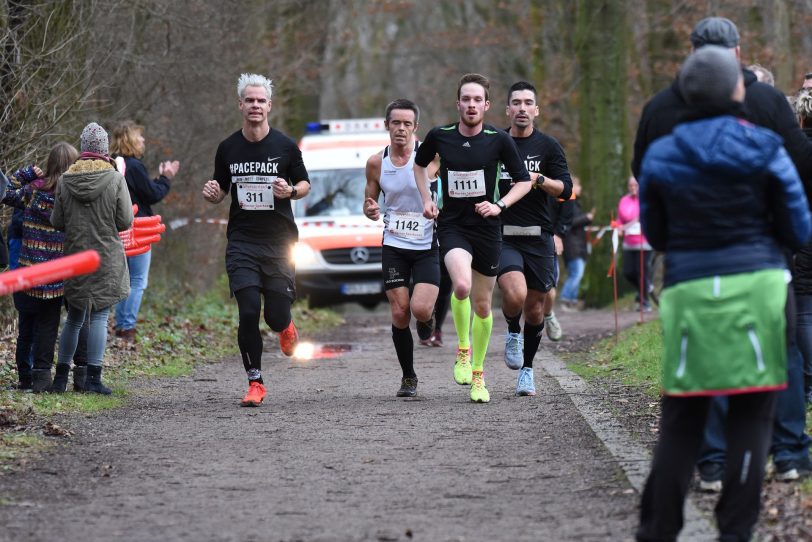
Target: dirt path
{"type": "Point", "coordinates": [332, 455]}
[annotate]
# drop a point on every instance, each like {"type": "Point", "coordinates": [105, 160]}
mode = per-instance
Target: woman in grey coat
{"type": "Point", "coordinates": [92, 204]}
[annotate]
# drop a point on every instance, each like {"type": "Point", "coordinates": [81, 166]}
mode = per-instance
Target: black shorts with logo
{"type": "Point", "coordinates": [266, 267]}
{"type": "Point", "coordinates": [483, 243]}
{"type": "Point", "coordinates": [533, 257]}
{"type": "Point", "coordinates": [402, 266]}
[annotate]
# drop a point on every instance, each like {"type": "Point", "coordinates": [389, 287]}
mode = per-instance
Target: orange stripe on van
{"type": "Point", "coordinates": [344, 240]}
{"type": "Point", "coordinates": [352, 144]}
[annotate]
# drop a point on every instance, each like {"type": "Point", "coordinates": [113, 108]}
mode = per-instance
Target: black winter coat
{"type": "Point", "coordinates": [802, 271]}
{"type": "Point", "coordinates": [575, 240]}
{"type": "Point", "coordinates": [144, 191]}
{"type": "Point", "coordinates": [764, 106]}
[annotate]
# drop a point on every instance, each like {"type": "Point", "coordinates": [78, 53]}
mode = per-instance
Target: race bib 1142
{"type": "Point", "coordinates": [407, 225]}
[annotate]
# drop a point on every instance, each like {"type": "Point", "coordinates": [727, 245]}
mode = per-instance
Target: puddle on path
{"type": "Point", "coordinates": [308, 351]}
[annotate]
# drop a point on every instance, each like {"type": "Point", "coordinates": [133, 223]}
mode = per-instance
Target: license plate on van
{"type": "Point", "coordinates": [361, 288]}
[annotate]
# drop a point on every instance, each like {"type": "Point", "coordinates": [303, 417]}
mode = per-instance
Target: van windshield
{"type": "Point", "coordinates": [334, 192]}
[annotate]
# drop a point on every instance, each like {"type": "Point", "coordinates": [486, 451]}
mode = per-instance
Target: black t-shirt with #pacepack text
{"type": "Point", "coordinates": [246, 170]}
{"type": "Point", "coordinates": [470, 168]}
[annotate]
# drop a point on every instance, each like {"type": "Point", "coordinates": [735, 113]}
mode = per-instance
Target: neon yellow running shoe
{"type": "Point", "coordinates": [462, 367]}
{"type": "Point", "coordinates": [479, 393]}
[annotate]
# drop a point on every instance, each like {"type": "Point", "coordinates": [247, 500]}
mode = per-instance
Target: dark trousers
{"type": "Point", "coordinates": [38, 329]}
{"type": "Point", "coordinates": [632, 271]}
{"type": "Point", "coordinates": [748, 431]}
{"type": "Point", "coordinates": [789, 441]}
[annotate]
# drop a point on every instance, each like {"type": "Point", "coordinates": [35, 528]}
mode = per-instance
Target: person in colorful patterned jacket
{"type": "Point", "coordinates": [40, 307]}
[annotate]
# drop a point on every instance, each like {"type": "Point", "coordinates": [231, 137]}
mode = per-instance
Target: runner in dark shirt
{"type": "Point", "coordinates": [263, 171]}
{"type": "Point", "coordinates": [527, 263]}
{"type": "Point", "coordinates": [468, 226]}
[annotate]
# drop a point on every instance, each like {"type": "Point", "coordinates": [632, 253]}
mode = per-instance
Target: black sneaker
{"type": "Point", "coordinates": [424, 329]}
{"type": "Point", "coordinates": [793, 469]}
{"type": "Point", "coordinates": [710, 477]}
{"type": "Point", "coordinates": [408, 387]}
{"type": "Point", "coordinates": [654, 297]}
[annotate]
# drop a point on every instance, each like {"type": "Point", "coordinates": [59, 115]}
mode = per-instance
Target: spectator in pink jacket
{"type": "Point", "coordinates": [636, 269]}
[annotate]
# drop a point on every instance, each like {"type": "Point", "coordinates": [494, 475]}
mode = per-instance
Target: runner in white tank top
{"type": "Point", "coordinates": [410, 253]}
{"type": "Point", "coordinates": [404, 223]}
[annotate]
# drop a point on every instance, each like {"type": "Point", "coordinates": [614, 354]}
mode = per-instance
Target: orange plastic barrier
{"type": "Point", "coordinates": [25, 278]}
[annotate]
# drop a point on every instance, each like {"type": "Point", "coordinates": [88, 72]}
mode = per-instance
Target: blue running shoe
{"type": "Point", "coordinates": [524, 384]}
{"type": "Point", "coordinates": [514, 350]}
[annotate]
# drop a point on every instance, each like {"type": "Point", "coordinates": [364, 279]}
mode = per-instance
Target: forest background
{"type": "Point", "coordinates": [173, 66]}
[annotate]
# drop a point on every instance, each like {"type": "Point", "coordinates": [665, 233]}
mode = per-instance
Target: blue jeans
{"type": "Point", "coordinates": [127, 310]}
{"type": "Point", "coordinates": [803, 307]}
{"type": "Point", "coordinates": [789, 442]}
{"type": "Point", "coordinates": [96, 335]}
{"type": "Point", "coordinates": [14, 246]}
{"type": "Point", "coordinates": [575, 272]}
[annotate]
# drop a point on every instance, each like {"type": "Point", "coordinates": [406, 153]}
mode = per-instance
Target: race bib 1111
{"type": "Point", "coordinates": [466, 184]}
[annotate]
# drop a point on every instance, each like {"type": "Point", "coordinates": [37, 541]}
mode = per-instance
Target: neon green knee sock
{"type": "Point", "coordinates": [461, 313]}
{"type": "Point", "coordinates": [481, 331]}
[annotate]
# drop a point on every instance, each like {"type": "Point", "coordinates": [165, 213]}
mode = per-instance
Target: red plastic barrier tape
{"type": "Point", "coordinates": [139, 237]}
{"type": "Point", "coordinates": [25, 278]}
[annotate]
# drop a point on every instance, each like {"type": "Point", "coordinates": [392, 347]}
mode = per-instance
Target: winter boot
{"type": "Point", "coordinates": [40, 380]}
{"type": "Point", "coordinates": [60, 383]}
{"type": "Point", "coordinates": [24, 381]}
{"type": "Point", "coordinates": [79, 377]}
{"type": "Point", "coordinates": [93, 383]}
{"type": "Point", "coordinates": [23, 376]}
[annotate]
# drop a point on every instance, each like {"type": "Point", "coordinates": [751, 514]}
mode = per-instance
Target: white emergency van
{"type": "Point", "coordinates": [338, 256]}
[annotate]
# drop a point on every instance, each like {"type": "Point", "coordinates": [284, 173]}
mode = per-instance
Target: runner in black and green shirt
{"type": "Point", "coordinates": [468, 225]}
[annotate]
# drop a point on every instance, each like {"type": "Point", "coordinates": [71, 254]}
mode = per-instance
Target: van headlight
{"type": "Point", "coordinates": [303, 254]}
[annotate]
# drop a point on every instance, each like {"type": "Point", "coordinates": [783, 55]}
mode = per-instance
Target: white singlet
{"type": "Point", "coordinates": [404, 223]}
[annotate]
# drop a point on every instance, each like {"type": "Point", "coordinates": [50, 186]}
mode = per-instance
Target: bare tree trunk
{"type": "Point", "coordinates": [602, 53]}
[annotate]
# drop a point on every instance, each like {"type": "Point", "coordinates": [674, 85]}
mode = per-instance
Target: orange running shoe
{"type": "Point", "coordinates": [255, 395]}
{"type": "Point", "coordinates": [288, 339]}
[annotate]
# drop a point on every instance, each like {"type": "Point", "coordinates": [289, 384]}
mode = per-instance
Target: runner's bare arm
{"type": "Point", "coordinates": [517, 192]}
{"type": "Point", "coordinates": [434, 167]}
{"type": "Point", "coordinates": [421, 178]}
{"type": "Point", "coordinates": [298, 190]}
{"type": "Point", "coordinates": [373, 189]}
{"type": "Point", "coordinates": [302, 189]}
{"type": "Point", "coordinates": [554, 187]}
{"type": "Point", "coordinates": [212, 192]}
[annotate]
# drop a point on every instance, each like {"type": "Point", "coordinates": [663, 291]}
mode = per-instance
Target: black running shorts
{"type": "Point", "coordinates": [483, 243]}
{"type": "Point", "coordinates": [253, 264]}
{"type": "Point", "coordinates": [401, 265]}
{"type": "Point", "coordinates": [535, 258]}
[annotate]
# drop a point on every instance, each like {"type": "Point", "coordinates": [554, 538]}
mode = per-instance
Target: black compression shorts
{"type": "Point", "coordinates": [483, 243]}
{"type": "Point", "coordinates": [534, 258]}
{"type": "Point", "coordinates": [251, 264]}
{"type": "Point", "coordinates": [401, 265]}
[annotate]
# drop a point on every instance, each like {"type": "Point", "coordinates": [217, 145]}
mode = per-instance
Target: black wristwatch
{"type": "Point", "coordinates": [292, 191]}
{"type": "Point", "coordinates": [540, 179]}
{"type": "Point", "coordinates": [501, 205]}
